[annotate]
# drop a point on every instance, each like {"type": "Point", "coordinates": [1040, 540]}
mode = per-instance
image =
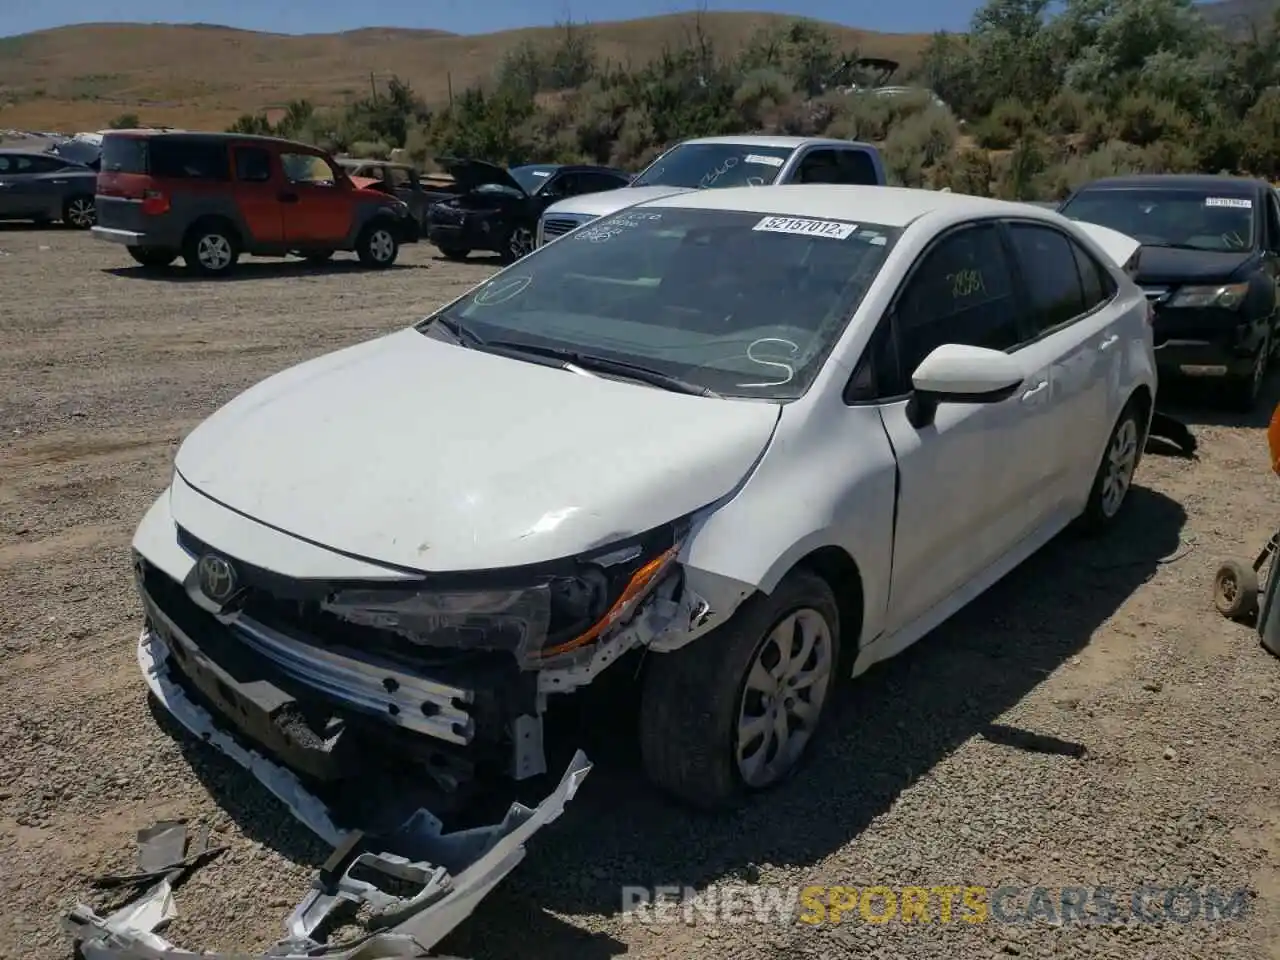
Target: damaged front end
{"type": "Point", "coordinates": [435, 687]}
{"type": "Point", "coordinates": [437, 878]}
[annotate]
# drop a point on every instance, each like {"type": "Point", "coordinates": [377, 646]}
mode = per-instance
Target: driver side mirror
{"type": "Point", "coordinates": [957, 373]}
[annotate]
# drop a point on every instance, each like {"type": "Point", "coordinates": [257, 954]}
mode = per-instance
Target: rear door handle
{"type": "Point", "coordinates": [1035, 391]}
{"type": "Point", "coordinates": [1110, 342]}
{"type": "Point", "coordinates": [287, 197]}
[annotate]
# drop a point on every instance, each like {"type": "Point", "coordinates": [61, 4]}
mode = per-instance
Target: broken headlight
{"type": "Point", "coordinates": [555, 614]}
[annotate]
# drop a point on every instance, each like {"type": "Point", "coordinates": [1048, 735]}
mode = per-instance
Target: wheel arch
{"type": "Point", "coordinates": [206, 220]}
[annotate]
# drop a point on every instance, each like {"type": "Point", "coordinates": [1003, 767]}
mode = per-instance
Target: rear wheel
{"type": "Point", "coordinates": [153, 256]}
{"type": "Point", "coordinates": [211, 249]}
{"type": "Point", "coordinates": [80, 213]}
{"type": "Point", "coordinates": [377, 246]}
{"type": "Point", "coordinates": [1115, 473]}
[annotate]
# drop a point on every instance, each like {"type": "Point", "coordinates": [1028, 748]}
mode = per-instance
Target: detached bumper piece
{"type": "Point", "coordinates": [438, 878]}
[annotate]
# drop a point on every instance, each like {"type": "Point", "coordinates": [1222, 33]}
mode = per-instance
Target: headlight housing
{"type": "Point", "coordinates": [544, 619]}
{"type": "Point", "coordinates": [1228, 296]}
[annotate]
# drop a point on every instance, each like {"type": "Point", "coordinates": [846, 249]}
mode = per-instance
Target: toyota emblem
{"type": "Point", "coordinates": [218, 580]}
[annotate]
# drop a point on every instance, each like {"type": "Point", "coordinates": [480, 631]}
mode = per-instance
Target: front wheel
{"type": "Point", "coordinates": [1243, 391]}
{"type": "Point", "coordinates": [519, 244]}
{"type": "Point", "coordinates": [80, 213]}
{"type": "Point", "coordinates": [211, 251]}
{"type": "Point", "coordinates": [736, 711]}
{"type": "Point", "coordinates": [1115, 473]}
{"type": "Point", "coordinates": [378, 246]}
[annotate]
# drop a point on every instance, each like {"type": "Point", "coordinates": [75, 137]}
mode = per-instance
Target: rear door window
{"type": "Point", "coordinates": [182, 159]}
{"type": "Point", "coordinates": [1052, 278]}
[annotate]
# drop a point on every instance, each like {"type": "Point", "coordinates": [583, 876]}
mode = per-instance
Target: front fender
{"type": "Point", "coordinates": [828, 479]}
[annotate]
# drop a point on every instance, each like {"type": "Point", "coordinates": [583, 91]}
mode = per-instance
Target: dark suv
{"type": "Point", "coordinates": [1210, 267]}
{"type": "Point", "coordinates": [210, 197]}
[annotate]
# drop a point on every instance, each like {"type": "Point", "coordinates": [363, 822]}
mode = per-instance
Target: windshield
{"type": "Point", "coordinates": [739, 303]}
{"type": "Point", "coordinates": [532, 176]}
{"type": "Point", "coordinates": [1193, 219]}
{"type": "Point", "coordinates": [698, 165]}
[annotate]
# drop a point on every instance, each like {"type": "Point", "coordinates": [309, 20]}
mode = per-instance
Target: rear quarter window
{"type": "Point", "coordinates": [189, 159]}
{"type": "Point", "coordinates": [124, 154]}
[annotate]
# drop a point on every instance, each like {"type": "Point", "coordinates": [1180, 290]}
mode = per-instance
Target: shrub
{"type": "Point", "coordinates": [916, 143]}
{"type": "Point", "coordinates": [1008, 123]}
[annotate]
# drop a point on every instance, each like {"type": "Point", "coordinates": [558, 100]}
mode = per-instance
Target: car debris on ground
{"type": "Point", "coordinates": [409, 889]}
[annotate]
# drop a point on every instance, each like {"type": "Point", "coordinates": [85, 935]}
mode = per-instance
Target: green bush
{"type": "Point", "coordinates": [1008, 123]}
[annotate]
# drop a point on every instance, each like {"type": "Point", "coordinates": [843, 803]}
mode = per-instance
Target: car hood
{"type": "Point", "coordinates": [1168, 265]}
{"type": "Point", "coordinates": [611, 201]}
{"type": "Point", "coordinates": [413, 451]}
{"type": "Point", "coordinates": [469, 174]}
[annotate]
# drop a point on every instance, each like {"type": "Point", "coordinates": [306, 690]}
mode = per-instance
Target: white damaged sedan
{"type": "Point", "coordinates": [748, 439]}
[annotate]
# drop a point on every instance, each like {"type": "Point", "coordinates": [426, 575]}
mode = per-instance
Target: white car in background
{"type": "Point", "coordinates": [718, 163]}
{"type": "Point", "coordinates": [762, 436]}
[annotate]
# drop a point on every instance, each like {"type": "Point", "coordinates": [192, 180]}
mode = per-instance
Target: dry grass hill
{"type": "Point", "coordinates": [81, 77]}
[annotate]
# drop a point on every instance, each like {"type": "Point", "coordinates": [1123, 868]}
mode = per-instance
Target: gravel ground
{"type": "Point", "coordinates": [928, 778]}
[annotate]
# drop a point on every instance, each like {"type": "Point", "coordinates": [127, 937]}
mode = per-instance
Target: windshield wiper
{"type": "Point", "coordinates": [460, 331]}
{"type": "Point", "coordinates": [623, 368]}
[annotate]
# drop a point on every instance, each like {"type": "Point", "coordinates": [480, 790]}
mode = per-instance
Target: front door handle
{"type": "Point", "coordinates": [1035, 391]}
{"type": "Point", "coordinates": [286, 196]}
{"type": "Point", "coordinates": [1110, 342]}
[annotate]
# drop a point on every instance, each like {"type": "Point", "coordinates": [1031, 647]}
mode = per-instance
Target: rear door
{"type": "Point", "coordinates": [1068, 324]}
{"type": "Point", "coordinates": [257, 193]}
{"type": "Point", "coordinates": [317, 202]}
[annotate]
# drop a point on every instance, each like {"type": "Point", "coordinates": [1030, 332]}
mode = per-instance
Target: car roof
{"type": "Point", "coordinates": [780, 142]}
{"type": "Point", "coordinates": [9, 152]}
{"type": "Point", "coordinates": [1175, 181]}
{"type": "Point", "coordinates": [209, 136]}
{"type": "Point", "coordinates": [886, 206]}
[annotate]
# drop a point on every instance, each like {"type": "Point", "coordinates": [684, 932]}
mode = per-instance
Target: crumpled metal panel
{"type": "Point", "coordinates": [453, 872]}
{"type": "Point", "coordinates": [456, 871]}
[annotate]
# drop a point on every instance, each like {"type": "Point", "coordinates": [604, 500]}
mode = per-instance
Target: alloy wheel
{"type": "Point", "coordinates": [1122, 461]}
{"type": "Point", "coordinates": [521, 243]}
{"type": "Point", "coordinates": [783, 697]}
{"type": "Point", "coordinates": [382, 246]}
{"type": "Point", "coordinates": [214, 252]}
{"type": "Point", "coordinates": [82, 213]}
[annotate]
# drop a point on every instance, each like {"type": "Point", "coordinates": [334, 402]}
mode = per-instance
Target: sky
{"type": "Point", "coordinates": [460, 16]}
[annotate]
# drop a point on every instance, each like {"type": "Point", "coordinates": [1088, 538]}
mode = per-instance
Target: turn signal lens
{"type": "Point", "coordinates": [641, 582]}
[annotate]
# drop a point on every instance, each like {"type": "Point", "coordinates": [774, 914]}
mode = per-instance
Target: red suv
{"type": "Point", "coordinates": [210, 197]}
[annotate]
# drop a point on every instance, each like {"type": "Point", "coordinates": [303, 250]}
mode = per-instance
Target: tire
{"type": "Point", "coordinates": [1106, 500]}
{"type": "Point", "coordinates": [377, 245]}
{"type": "Point", "coordinates": [696, 700]}
{"type": "Point", "coordinates": [1235, 590]}
{"type": "Point", "coordinates": [455, 253]}
{"type": "Point", "coordinates": [80, 212]}
{"type": "Point", "coordinates": [211, 249]}
{"type": "Point", "coordinates": [1243, 392]}
{"type": "Point", "coordinates": [153, 256]}
{"type": "Point", "coordinates": [517, 244]}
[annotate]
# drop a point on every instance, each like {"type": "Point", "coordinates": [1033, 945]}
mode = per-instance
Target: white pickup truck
{"type": "Point", "coordinates": [723, 162]}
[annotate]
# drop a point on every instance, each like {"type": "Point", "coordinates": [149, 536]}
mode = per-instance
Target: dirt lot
{"type": "Point", "coordinates": [924, 782]}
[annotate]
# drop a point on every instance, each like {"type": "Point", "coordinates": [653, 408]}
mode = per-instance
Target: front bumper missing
{"type": "Point", "coordinates": [450, 873]}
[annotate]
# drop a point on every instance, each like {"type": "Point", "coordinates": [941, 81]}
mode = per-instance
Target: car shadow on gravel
{"type": "Point", "coordinates": [256, 270]}
{"type": "Point", "coordinates": [474, 260]}
{"type": "Point", "coordinates": [888, 729]}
